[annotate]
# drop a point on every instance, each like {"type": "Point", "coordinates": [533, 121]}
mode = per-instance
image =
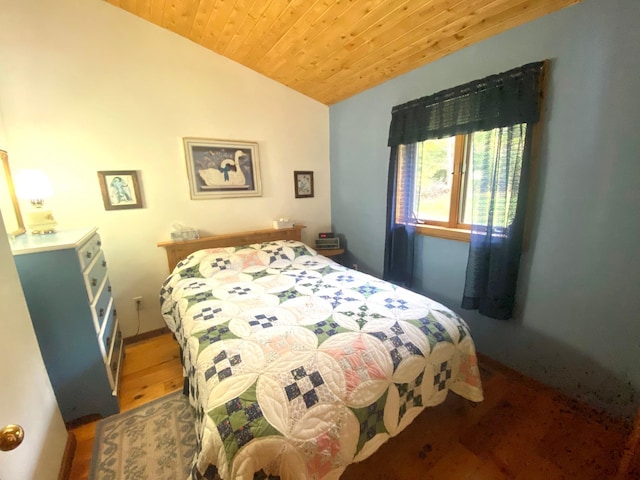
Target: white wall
{"type": "Point", "coordinates": [3, 135]}
{"type": "Point", "coordinates": [87, 87]}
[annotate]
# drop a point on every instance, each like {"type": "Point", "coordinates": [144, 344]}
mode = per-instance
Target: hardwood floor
{"type": "Point", "coordinates": [522, 431]}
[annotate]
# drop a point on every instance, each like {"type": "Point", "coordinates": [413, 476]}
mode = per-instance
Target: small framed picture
{"type": "Point", "coordinates": [120, 189]}
{"type": "Point", "coordinates": [222, 168]}
{"type": "Point", "coordinates": [303, 184]}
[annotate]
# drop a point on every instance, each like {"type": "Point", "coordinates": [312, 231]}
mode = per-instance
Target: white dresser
{"type": "Point", "coordinates": [65, 280]}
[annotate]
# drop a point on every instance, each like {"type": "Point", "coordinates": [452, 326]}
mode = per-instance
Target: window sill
{"type": "Point", "coordinates": [444, 232]}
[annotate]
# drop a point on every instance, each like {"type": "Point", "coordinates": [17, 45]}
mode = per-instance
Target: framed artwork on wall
{"type": "Point", "coordinates": [9, 205]}
{"type": "Point", "coordinates": [303, 184]}
{"type": "Point", "coordinates": [222, 168]}
{"type": "Point", "coordinates": [120, 189]}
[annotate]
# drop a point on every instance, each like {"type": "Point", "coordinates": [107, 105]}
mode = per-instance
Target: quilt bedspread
{"type": "Point", "coordinates": [298, 366]}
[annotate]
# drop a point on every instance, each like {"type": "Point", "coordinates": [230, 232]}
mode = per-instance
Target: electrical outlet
{"type": "Point", "coordinates": [137, 301]}
{"type": "Point", "coordinates": [355, 266]}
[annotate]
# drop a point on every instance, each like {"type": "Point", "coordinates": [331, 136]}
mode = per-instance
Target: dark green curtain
{"type": "Point", "coordinates": [496, 101]}
{"type": "Point", "coordinates": [501, 160]}
{"type": "Point", "coordinates": [501, 101]}
{"type": "Point", "coordinates": [399, 242]}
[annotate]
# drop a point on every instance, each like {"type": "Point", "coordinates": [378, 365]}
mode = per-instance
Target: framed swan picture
{"type": "Point", "coordinates": [222, 168]}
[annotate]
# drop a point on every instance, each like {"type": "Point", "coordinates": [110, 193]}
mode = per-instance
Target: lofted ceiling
{"type": "Point", "coordinates": [330, 50]}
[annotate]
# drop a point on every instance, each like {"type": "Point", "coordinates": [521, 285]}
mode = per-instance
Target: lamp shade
{"type": "Point", "coordinates": [33, 185]}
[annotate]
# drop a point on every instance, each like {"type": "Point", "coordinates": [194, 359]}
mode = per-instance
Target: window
{"type": "Point", "coordinates": [460, 154]}
{"type": "Point", "coordinates": [440, 197]}
{"type": "Point", "coordinates": [449, 184]}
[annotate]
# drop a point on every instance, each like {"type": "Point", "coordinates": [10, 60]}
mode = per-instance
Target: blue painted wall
{"type": "Point", "coordinates": [578, 320]}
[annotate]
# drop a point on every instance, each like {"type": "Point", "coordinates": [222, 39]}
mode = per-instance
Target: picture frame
{"type": "Point", "coordinates": [303, 183]}
{"type": "Point", "coordinates": [9, 205]}
{"type": "Point", "coordinates": [120, 189]}
{"type": "Point", "coordinates": [222, 168]}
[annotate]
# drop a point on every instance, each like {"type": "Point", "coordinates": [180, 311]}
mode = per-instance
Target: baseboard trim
{"type": "Point", "coordinates": [146, 335]}
{"type": "Point", "coordinates": [67, 457]}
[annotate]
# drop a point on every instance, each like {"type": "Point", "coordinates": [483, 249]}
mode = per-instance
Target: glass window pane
{"type": "Point", "coordinates": [491, 186]}
{"type": "Point", "coordinates": [433, 190]}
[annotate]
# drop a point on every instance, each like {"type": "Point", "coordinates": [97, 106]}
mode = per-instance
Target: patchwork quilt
{"type": "Point", "coordinates": [298, 366]}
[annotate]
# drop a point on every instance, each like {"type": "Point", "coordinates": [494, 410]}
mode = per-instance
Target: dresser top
{"type": "Point", "coordinates": [29, 243]}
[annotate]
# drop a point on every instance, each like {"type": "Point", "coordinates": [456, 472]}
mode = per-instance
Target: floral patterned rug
{"type": "Point", "coordinates": [154, 441]}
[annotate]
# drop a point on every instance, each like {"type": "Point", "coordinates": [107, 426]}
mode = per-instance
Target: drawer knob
{"type": "Point", "coordinates": [109, 288]}
{"type": "Point", "coordinates": [94, 282]}
{"type": "Point", "coordinates": [11, 437]}
{"type": "Point", "coordinates": [114, 312]}
{"type": "Point", "coordinates": [101, 313]}
{"type": "Point", "coordinates": [104, 263]}
{"type": "Point", "coordinates": [88, 254]}
{"type": "Point", "coordinates": [99, 243]}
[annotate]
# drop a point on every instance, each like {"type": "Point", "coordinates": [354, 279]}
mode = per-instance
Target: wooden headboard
{"type": "Point", "coordinates": [177, 251]}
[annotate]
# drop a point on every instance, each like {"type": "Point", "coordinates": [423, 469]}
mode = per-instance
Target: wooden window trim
{"type": "Point", "coordinates": [448, 233]}
{"type": "Point", "coordinates": [452, 229]}
{"type": "Point", "coordinates": [456, 182]}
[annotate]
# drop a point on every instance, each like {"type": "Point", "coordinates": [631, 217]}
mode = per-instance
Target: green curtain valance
{"type": "Point", "coordinates": [496, 101]}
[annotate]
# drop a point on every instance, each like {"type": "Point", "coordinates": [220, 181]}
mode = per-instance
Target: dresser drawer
{"type": "Point", "coordinates": [100, 308]}
{"type": "Point", "coordinates": [108, 333]}
{"type": "Point", "coordinates": [115, 362]}
{"type": "Point", "coordinates": [95, 274]}
{"type": "Point", "coordinates": [88, 251]}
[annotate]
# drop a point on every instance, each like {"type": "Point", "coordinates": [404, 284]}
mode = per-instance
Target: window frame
{"type": "Point", "coordinates": [462, 234]}
{"type": "Point", "coordinates": [453, 229]}
{"type": "Point", "coordinates": [445, 231]}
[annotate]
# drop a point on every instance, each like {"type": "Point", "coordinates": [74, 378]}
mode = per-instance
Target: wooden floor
{"type": "Point", "coordinates": [522, 431]}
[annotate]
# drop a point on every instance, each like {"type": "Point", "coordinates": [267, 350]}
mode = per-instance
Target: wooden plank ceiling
{"type": "Point", "coordinates": [333, 49]}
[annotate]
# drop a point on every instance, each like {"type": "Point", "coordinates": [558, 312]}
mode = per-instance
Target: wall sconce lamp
{"type": "Point", "coordinates": [35, 186]}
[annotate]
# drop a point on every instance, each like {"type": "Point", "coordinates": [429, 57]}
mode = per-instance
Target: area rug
{"type": "Point", "coordinates": [154, 441]}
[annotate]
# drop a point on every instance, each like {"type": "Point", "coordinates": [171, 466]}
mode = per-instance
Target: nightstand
{"type": "Point", "coordinates": [331, 252]}
{"type": "Point", "coordinates": [65, 282]}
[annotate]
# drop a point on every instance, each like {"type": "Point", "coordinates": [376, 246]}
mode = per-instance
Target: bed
{"type": "Point", "coordinates": [298, 366]}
